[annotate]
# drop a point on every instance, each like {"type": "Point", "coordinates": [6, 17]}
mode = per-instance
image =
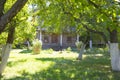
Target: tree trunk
{"type": "Point", "coordinates": [6, 49]}
{"type": "Point", "coordinates": [4, 20]}
{"type": "Point", "coordinates": [81, 51]}
{"type": "Point", "coordinates": [108, 44]}
{"type": "Point", "coordinates": [115, 56]}
{"type": "Point", "coordinates": [5, 55]}
{"type": "Point", "coordinates": [84, 43]}
{"type": "Point", "coordinates": [114, 51]}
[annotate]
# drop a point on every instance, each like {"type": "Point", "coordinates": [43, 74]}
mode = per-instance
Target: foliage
{"type": "Point", "coordinates": [69, 49]}
{"type": "Point", "coordinates": [97, 51]}
{"type": "Point", "coordinates": [50, 51]}
{"type": "Point", "coordinates": [78, 44]}
{"type": "Point", "coordinates": [58, 15]}
{"type": "Point", "coordinates": [24, 29]}
{"type": "Point", "coordinates": [37, 46]}
{"type": "Point", "coordinates": [3, 38]}
{"type": "Point", "coordinates": [52, 18]}
{"type": "Point", "coordinates": [57, 66]}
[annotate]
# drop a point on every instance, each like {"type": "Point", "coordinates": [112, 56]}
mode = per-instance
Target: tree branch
{"type": "Point", "coordinates": [11, 32]}
{"type": "Point", "coordinates": [85, 26]}
{"type": "Point", "coordinates": [2, 2]}
{"type": "Point", "coordinates": [98, 7]}
{"type": "Point", "coordinates": [95, 5]}
{"type": "Point", "coordinates": [7, 17]}
{"type": "Point", "coordinates": [97, 32]}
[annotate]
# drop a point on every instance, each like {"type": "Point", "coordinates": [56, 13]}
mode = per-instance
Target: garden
{"type": "Point", "coordinates": [59, 65]}
{"type": "Point", "coordinates": [30, 29]}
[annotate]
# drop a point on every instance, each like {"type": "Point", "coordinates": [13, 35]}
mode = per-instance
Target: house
{"type": "Point", "coordinates": [66, 39]}
{"type": "Point", "coordinates": [55, 40]}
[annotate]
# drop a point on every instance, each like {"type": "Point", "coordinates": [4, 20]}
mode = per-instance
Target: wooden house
{"type": "Point", "coordinates": [55, 40]}
{"type": "Point", "coordinates": [66, 39]}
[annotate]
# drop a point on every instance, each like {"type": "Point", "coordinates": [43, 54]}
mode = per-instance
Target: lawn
{"type": "Point", "coordinates": [57, 65]}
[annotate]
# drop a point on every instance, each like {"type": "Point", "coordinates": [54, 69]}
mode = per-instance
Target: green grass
{"type": "Point", "coordinates": [58, 66]}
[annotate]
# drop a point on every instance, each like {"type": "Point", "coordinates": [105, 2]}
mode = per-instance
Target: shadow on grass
{"type": "Point", "coordinates": [14, 63]}
{"type": "Point", "coordinates": [26, 51]}
{"type": "Point", "coordinates": [90, 68]}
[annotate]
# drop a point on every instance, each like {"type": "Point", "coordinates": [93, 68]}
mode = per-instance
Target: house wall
{"type": "Point", "coordinates": [51, 40]}
{"type": "Point", "coordinates": [69, 40]}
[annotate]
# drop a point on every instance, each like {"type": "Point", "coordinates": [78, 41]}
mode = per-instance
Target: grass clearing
{"type": "Point", "coordinates": [56, 65]}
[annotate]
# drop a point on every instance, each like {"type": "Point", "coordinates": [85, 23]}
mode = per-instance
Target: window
{"type": "Point", "coordinates": [69, 39]}
{"type": "Point", "coordinates": [54, 38]}
{"type": "Point", "coordinates": [46, 39]}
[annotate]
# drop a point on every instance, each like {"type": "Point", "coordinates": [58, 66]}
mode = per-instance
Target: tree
{"type": "Point", "coordinates": [96, 16]}
{"type": "Point", "coordinates": [5, 18]}
{"type": "Point", "coordinates": [105, 13]}
{"type": "Point", "coordinates": [6, 48]}
{"type": "Point", "coordinates": [108, 17]}
{"type": "Point", "coordinates": [24, 28]}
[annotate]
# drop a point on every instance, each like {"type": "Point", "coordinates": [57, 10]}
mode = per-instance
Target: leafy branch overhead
{"type": "Point", "coordinates": [8, 16]}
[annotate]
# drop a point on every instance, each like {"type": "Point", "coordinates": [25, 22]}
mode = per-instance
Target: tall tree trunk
{"type": "Point", "coordinates": [4, 20]}
{"type": "Point", "coordinates": [114, 51]}
{"type": "Point", "coordinates": [84, 43]}
{"type": "Point", "coordinates": [5, 54]}
{"type": "Point", "coordinates": [81, 51]}
{"type": "Point", "coordinates": [6, 49]}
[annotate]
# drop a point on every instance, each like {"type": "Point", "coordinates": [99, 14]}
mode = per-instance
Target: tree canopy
{"type": "Point", "coordinates": [98, 16]}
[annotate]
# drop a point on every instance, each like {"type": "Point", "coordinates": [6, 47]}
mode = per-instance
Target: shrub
{"type": "Point", "coordinates": [37, 45]}
{"type": "Point", "coordinates": [50, 51]}
{"type": "Point", "coordinates": [69, 49]}
{"type": "Point", "coordinates": [78, 44]}
{"type": "Point", "coordinates": [96, 51]}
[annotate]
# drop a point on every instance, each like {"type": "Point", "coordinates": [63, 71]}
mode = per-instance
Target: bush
{"type": "Point", "coordinates": [96, 51]}
{"type": "Point", "coordinates": [78, 44]}
{"type": "Point", "coordinates": [50, 51]}
{"type": "Point", "coordinates": [37, 45]}
{"type": "Point", "coordinates": [69, 49]}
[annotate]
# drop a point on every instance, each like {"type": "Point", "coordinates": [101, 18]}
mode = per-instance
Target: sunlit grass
{"type": "Point", "coordinates": [57, 65]}
{"type": "Point", "coordinates": [19, 64]}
